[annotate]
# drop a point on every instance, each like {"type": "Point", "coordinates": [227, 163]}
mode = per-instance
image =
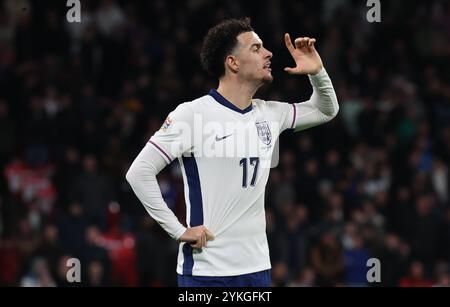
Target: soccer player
{"type": "Point", "coordinates": [224, 142]}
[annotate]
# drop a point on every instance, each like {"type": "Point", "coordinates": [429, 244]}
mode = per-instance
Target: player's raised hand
{"type": "Point", "coordinates": [197, 236]}
{"type": "Point", "coordinates": [305, 55]}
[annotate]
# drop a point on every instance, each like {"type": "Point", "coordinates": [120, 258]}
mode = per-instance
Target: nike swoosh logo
{"type": "Point", "coordinates": [221, 138]}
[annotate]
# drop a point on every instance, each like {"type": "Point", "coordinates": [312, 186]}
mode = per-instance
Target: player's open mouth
{"type": "Point", "coordinates": [267, 66]}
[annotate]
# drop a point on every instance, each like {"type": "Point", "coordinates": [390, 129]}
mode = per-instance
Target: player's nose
{"type": "Point", "coordinates": [268, 54]}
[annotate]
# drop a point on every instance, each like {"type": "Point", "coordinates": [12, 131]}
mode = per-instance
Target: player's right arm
{"type": "Point", "coordinates": [142, 178]}
{"type": "Point", "coordinates": [171, 141]}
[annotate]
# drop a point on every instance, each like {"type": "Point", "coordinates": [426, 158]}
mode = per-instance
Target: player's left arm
{"type": "Point", "coordinates": [323, 105]}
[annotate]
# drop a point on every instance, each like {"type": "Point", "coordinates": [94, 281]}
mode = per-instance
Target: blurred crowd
{"type": "Point", "coordinates": [78, 101]}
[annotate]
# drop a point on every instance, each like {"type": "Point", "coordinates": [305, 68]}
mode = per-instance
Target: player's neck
{"type": "Point", "coordinates": [239, 94]}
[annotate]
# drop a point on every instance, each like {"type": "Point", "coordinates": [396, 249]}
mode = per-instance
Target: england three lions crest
{"type": "Point", "coordinates": [264, 132]}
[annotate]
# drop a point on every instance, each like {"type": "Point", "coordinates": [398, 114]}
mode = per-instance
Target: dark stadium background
{"type": "Point", "coordinates": [78, 101]}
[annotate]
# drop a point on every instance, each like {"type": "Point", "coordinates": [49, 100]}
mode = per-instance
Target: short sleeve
{"type": "Point", "coordinates": [175, 137]}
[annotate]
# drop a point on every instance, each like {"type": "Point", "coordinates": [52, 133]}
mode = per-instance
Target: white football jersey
{"type": "Point", "coordinates": [225, 155]}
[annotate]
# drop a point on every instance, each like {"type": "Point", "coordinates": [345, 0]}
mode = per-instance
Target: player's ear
{"type": "Point", "coordinates": [231, 63]}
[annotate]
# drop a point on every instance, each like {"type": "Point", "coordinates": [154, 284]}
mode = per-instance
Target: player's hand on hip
{"type": "Point", "coordinates": [305, 55]}
{"type": "Point", "coordinates": [197, 236]}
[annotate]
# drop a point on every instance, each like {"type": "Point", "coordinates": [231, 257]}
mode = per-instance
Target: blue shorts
{"type": "Point", "coordinates": [258, 279]}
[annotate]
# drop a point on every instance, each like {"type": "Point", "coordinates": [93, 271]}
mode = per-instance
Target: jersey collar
{"type": "Point", "coordinates": [223, 101]}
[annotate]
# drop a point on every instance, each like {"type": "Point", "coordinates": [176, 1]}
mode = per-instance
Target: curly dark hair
{"type": "Point", "coordinates": [219, 42]}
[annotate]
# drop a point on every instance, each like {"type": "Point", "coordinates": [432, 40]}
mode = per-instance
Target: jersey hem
{"type": "Point", "coordinates": [226, 273]}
